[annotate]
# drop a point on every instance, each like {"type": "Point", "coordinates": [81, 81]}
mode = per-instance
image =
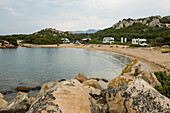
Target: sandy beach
{"type": "Point", "coordinates": [156, 60]}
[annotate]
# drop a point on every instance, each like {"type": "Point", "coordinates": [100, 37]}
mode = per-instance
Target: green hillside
{"type": "Point", "coordinates": [154, 35]}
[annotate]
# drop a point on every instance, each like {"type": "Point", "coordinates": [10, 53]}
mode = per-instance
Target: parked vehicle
{"type": "Point", "coordinates": [141, 42]}
{"type": "Point", "coordinates": [76, 42]}
{"type": "Point", "coordinates": [65, 40]}
{"type": "Point", "coordinates": [108, 40]}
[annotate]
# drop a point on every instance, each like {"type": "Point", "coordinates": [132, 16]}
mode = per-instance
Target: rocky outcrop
{"type": "Point", "coordinates": [93, 83]}
{"type": "Point", "coordinates": [134, 95]}
{"type": "Point", "coordinates": [132, 91]}
{"type": "Point", "coordinates": [149, 21]}
{"type": "Point", "coordinates": [67, 96]}
{"type": "Point", "coordinates": [81, 77]}
{"type": "Point", "coordinates": [8, 46]}
{"type": "Point", "coordinates": [20, 104]}
{"type": "Point", "coordinates": [137, 70]}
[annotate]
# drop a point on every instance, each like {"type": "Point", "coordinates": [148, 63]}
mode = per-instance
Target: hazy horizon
{"type": "Point", "coordinates": [29, 16]}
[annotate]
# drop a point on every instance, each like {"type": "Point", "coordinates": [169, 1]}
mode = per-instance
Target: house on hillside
{"type": "Point", "coordinates": [86, 40]}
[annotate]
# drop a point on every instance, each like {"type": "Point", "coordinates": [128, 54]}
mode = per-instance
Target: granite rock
{"type": "Point", "coordinates": [20, 104]}
{"type": "Point", "coordinates": [134, 95]}
{"type": "Point", "coordinates": [68, 97]}
{"type": "Point", "coordinates": [81, 77]}
{"type": "Point", "coordinates": [93, 83]}
{"type": "Point", "coordinates": [137, 70]}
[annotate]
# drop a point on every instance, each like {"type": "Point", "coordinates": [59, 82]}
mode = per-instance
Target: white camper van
{"type": "Point", "coordinates": [108, 40]}
{"type": "Point", "coordinates": [65, 40]}
{"type": "Point", "coordinates": [141, 42]}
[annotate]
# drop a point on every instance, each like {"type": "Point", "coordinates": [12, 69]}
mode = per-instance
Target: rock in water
{"type": "Point", "coordinates": [68, 97]}
{"type": "Point", "coordinates": [20, 104]}
{"type": "Point", "coordinates": [93, 83]}
{"type": "Point", "coordinates": [136, 69]}
{"type": "Point", "coordinates": [23, 89]}
{"type": "Point", "coordinates": [81, 77]}
{"type": "Point", "coordinates": [132, 94]}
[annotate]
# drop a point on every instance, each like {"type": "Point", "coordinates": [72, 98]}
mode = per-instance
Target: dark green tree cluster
{"type": "Point", "coordinates": [95, 41]}
{"type": "Point", "coordinates": [165, 20]}
{"type": "Point", "coordinates": [10, 39]}
{"type": "Point", "coordinates": [164, 79]}
{"type": "Point", "coordinates": [46, 39]}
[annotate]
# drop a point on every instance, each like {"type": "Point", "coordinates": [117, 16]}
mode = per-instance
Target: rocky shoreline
{"type": "Point", "coordinates": [131, 92]}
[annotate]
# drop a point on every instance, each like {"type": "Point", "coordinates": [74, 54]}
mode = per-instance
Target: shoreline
{"type": "Point", "coordinates": [156, 60]}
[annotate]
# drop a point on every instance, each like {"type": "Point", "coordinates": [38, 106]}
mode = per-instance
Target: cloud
{"type": "Point", "coordinates": [10, 11]}
{"type": "Point", "coordinates": [26, 16]}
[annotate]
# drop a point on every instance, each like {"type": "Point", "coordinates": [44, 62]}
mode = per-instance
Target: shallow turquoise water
{"type": "Point", "coordinates": [35, 66]}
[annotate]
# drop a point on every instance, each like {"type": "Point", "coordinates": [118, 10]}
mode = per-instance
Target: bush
{"type": "Point", "coordinates": [164, 79]}
{"type": "Point", "coordinates": [165, 51]}
{"type": "Point", "coordinates": [2, 42]}
{"type": "Point", "coordinates": [95, 41]}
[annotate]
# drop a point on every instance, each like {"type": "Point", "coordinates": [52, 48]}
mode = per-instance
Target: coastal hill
{"type": "Point", "coordinates": [152, 21]}
{"type": "Point", "coordinates": [155, 29]}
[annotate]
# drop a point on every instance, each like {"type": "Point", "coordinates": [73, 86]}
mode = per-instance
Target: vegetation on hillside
{"type": "Point", "coordinates": [10, 39]}
{"type": "Point", "coordinates": [156, 36]}
{"type": "Point", "coordinates": [165, 20]}
{"type": "Point", "coordinates": [164, 79]}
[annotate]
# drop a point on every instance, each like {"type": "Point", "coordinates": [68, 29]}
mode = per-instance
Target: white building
{"type": "Point", "coordinates": [139, 41]}
{"type": "Point", "coordinates": [108, 40]}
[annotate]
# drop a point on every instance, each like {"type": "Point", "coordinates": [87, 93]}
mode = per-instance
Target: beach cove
{"type": "Point", "coordinates": [156, 60]}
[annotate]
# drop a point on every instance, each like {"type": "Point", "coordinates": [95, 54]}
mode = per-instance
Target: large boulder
{"type": "Point", "coordinates": [81, 77]}
{"type": "Point", "coordinates": [136, 69]}
{"type": "Point", "coordinates": [126, 94]}
{"type": "Point", "coordinates": [68, 97]}
{"type": "Point", "coordinates": [20, 104]}
{"type": "Point", "coordinates": [2, 101]}
{"type": "Point", "coordinates": [93, 83]}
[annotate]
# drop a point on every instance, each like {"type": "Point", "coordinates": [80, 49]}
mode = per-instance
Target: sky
{"type": "Point", "coordinates": [29, 16]}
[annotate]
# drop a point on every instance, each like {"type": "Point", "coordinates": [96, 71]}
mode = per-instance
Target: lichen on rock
{"type": "Point", "coordinates": [67, 96]}
{"type": "Point", "coordinates": [136, 96]}
{"type": "Point", "coordinates": [137, 70]}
